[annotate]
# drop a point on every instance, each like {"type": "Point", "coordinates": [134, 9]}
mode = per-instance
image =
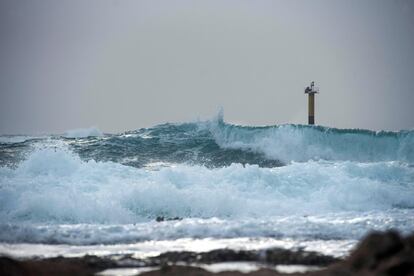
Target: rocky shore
{"type": "Point", "coordinates": [377, 254]}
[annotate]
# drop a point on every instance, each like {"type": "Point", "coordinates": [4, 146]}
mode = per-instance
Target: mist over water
{"type": "Point", "coordinates": [220, 180]}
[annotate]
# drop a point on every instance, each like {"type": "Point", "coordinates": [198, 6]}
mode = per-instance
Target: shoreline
{"type": "Point", "coordinates": [386, 253]}
{"type": "Point", "coordinates": [152, 248]}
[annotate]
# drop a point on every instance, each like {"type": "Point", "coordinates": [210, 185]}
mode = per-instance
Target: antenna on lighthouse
{"type": "Point", "coordinates": [311, 91]}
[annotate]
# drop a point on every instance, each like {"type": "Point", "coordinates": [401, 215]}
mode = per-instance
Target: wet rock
{"type": "Point", "coordinates": [54, 266]}
{"type": "Point", "coordinates": [11, 267]}
{"type": "Point", "coordinates": [173, 257]}
{"type": "Point", "coordinates": [283, 256]}
{"type": "Point", "coordinates": [227, 255]}
{"type": "Point", "coordinates": [375, 248]}
{"type": "Point", "coordinates": [272, 256]}
{"type": "Point", "coordinates": [161, 218]}
{"type": "Point", "coordinates": [379, 254]}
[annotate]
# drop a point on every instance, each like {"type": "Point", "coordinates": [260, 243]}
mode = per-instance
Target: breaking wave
{"type": "Point", "coordinates": [54, 185]}
{"type": "Point", "coordinates": [217, 179]}
{"type": "Point", "coordinates": [216, 144]}
{"type": "Point", "coordinates": [302, 143]}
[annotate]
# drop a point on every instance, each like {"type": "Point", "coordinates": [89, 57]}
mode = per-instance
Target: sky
{"type": "Point", "coordinates": [123, 65]}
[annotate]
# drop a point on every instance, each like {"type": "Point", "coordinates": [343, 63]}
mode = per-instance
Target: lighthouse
{"type": "Point", "coordinates": [311, 91]}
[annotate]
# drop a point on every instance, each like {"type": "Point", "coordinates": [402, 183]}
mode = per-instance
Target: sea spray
{"type": "Point", "coordinates": [217, 180]}
{"type": "Point", "coordinates": [302, 143]}
{"type": "Point", "coordinates": [56, 186]}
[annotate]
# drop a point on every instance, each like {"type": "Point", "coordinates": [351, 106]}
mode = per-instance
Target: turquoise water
{"type": "Point", "coordinates": [222, 181]}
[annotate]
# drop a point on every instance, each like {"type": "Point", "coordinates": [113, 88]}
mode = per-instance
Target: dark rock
{"type": "Point", "coordinates": [227, 255]}
{"type": "Point", "coordinates": [10, 267]}
{"type": "Point", "coordinates": [161, 218]}
{"type": "Point", "coordinates": [375, 248]}
{"type": "Point", "coordinates": [173, 257]}
{"type": "Point", "coordinates": [379, 254]}
{"type": "Point", "coordinates": [272, 256]}
{"type": "Point", "coordinates": [283, 256]}
{"type": "Point", "coordinates": [87, 265]}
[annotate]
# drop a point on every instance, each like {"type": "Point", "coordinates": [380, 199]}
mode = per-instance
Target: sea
{"type": "Point", "coordinates": [200, 186]}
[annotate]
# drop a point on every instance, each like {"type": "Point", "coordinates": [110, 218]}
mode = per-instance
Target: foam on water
{"type": "Point", "coordinates": [217, 144]}
{"type": "Point", "coordinates": [332, 185]}
{"type": "Point", "coordinates": [337, 248]}
{"type": "Point", "coordinates": [302, 143]}
{"type": "Point", "coordinates": [54, 196]}
{"type": "Point", "coordinates": [348, 226]}
{"type": "Point", "coordinates": [55, 185]}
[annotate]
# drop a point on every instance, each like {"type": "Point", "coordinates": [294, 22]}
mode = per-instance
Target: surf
{"type": "Point", "coordinates": [51, 184]}
{"type": "Point", "coordinates": [215, 179]}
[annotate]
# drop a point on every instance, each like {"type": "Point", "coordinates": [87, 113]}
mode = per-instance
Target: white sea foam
{"type": "Point", "coordinates": [296, 229]}
{"type": "Point", "coordinates": [144, 249]}
{"type": "Point", "coordinates": [302, 143]}
{"type": "Point", "coordinates": [83, 132]}
{"type": "Point", "coordinates": [110, 192]}
{"type": "Point", "coordinates": [54, 196]}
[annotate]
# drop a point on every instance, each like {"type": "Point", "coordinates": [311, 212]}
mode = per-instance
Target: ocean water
{"type": "Point", "coordinates": [216, 185]}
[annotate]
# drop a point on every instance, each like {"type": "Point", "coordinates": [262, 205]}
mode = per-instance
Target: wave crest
{"type": "Point", "coordinates": [302, 143]}
{"type": "Point", "coordinates": [56, 186]}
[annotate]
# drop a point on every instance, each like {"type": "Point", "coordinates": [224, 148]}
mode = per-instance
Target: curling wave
{"type": "Point", "coordinates": [303, 143]}
{"type": "Point", "coordinates": [216, 144]}
{"type": "Point", "coordinates": [218, 179]}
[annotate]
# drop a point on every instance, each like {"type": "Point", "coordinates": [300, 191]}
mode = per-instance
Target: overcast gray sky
{"type": "Point", "coordinates": [122, 65]}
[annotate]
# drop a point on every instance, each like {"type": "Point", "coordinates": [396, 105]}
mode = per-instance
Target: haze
{"type": "Point", "coordinates": [123, 65]}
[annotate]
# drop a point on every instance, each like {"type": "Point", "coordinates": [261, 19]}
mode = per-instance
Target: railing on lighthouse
{"type": "Point", "coordinates": [311, 91]}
